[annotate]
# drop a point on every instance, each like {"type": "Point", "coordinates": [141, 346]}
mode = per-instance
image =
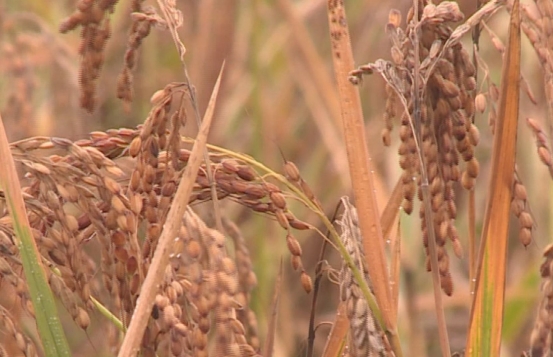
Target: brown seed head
{"type": "Point", "coordinates": [473, 168]}
{"type": "Point", "coordinates": [82, 319]}
{"type": "Point", "coordinates": [480, 102]}
{"type": "Point", "coordinates": [474, 135]}
{"type": "Point", "coordinates": [306, 282]}
{"type": "Point", "coordinates": [299, 225]}
{"type": "Point", "coordinates": [193, 249]}
{"type": "Point", "coordinates": [291, 171]}
{"type": "Point", "coordinates": [525, 220]}
{"type": "Point", "coordinates": [132, 264]}
{"type": "Point", "coordinates": [293, 245]}
{"type": "Point", "coordinates": [525, 236]}
{"type": "Point", "coordinates": [467, 181]}
{"type": "Point", "coordinates": [457, 248]}
{"type": "Point", "coordinates": [296, 262]}
{"type": "Point", "coordinates": [246, 173]}
{"type": "Point", "coordinates": [134, 285]}
{"type": "Point", "coordinates": [278, 199]}
{"type": "Point", "coordinates": [545, 155]}
{"type": "Point", "coordinates": [281, 219]}
{"type": "Point", "coordinates": [117, 204]}
{"type": "Point", "coordinates": [447, 284]}
{"type": "Point", "coordinates": [520, 192]}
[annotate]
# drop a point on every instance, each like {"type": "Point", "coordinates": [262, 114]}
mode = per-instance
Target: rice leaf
{"type": "Point", "coordinates": [360, 167]}
{"type": "Point", "coordinates": [49, 326]}
{"type": "Point", "coordinates": [486, 321]}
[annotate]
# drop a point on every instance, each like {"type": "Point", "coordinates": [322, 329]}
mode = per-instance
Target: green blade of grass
{"type": "Point", "coordinates": [484, 338]}
{"type": "Point", "coordinates": [49, 326]}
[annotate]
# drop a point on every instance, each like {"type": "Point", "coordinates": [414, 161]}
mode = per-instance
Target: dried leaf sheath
{"type": "Point", "coordinates": [365, 338]}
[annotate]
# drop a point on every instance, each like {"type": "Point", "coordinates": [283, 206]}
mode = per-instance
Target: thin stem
{"type": "Point", "coordinates": [428, 214]}
{"type": "Point", "coordinates": [316, 286]}
{"type": "Point", "coordinates": [213, 185]}
{"type": "Point", "coordinates": [174, 23]}
{"type": "Point", "coordinates": [328, 224]}
{"type": "Point", "coordinates": [472, 199]}
{"type": "Point", "coordinates": [472, 241]}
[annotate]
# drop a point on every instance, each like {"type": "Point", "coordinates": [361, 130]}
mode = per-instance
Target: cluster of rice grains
{"type": "Point", "coordinates": [92, 16]}
{"type": "Point", "coordinates": [202, 284]}
{"type": "Point", "coordinates": [445, 134]}
{"type": "Point", "coordinates": [541, 340]}
{"type": "Point", "coordinates": [23, 344]}
{"type": "Point", "coordinates": [538, 28]}
{"type": "Point", "coordinates": [113, 191]}
{"type": "Point", "coordinates": [365, 337]}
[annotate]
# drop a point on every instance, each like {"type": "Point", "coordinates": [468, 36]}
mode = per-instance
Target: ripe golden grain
{"type": "Point", "coordinates": [293, 245]}
{"type": "Point", "coordinates": [278, 200]}
{"type": "Point", "coordinates": [480, 102]}
{"type": "Point", "coordinates": [306, 282]}
{"type": "Point", "coordinates": [299, 225]}
{"type": "Point", "coordinates": [296, 262]}
{"type": "Point", "coordinates": [291, 171]}
{"type": "Point", "coordinates": [281, 219]}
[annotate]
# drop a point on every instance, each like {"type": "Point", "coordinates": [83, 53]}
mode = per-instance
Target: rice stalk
{"type": "Point", "coordinates": [144, 306]}
{"type": "Point", "coordinates": [360, 167]}
{"type": "Point", "coordinates": [337, 337]}
{"type": "Point", "coordinates": [271, 328]}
